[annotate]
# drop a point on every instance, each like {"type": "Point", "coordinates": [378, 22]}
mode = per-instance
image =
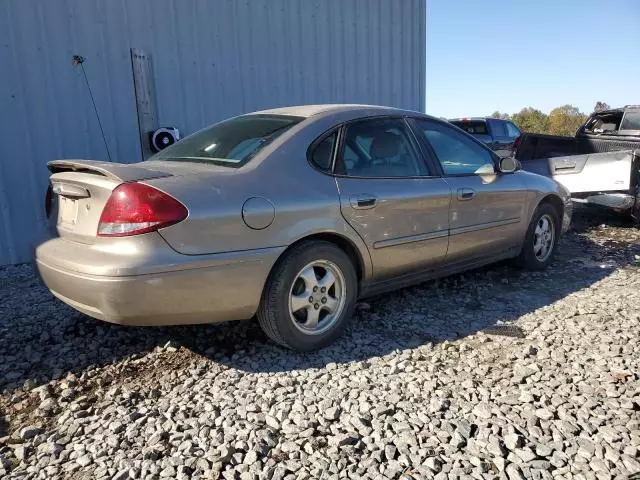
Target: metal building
{"type": "Point", "coordinates": [211, 59]}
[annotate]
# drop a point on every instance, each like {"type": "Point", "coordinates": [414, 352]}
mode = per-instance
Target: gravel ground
{"type": "Point", "coordinates": [497, 373]}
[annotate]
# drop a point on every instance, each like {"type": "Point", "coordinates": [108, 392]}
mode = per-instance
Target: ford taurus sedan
{"type": "Point", "coordinates": [290, 215]}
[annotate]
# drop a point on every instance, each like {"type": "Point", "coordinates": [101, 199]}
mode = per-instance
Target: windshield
{"type": "Point", "coordinates": [474, 127]}
{"type": "Point", "coordinates": [232, 142]}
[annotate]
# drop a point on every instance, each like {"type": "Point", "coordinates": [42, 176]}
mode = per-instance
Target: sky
{"type": "Point", "coordinates": [488, 55]}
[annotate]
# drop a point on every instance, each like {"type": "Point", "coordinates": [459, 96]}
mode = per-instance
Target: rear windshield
{"type": "Point", "coordinates": [231, 143]}
{"type": "Point", "coordinates": [606, 122]}
{"type": "Point", "coordinates": [475, 127]}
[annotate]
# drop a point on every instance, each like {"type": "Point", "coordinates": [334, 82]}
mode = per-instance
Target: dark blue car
{"type": "Point", "coordinates": [497, 134]}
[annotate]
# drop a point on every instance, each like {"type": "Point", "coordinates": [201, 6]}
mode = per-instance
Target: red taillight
{"type": "Point", "coordinates": [135, 208]}
{"type": "Point", "coordinates": [516, 143]}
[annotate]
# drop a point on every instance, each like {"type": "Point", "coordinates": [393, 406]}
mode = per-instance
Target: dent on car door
{"type": "Point", "coordinates": [487, 214]}
{"type": "Point", "coordinates": [389, 198]}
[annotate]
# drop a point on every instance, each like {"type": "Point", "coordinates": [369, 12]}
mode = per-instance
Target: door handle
{"type": "Point", "coordinates": [565, 166]}
{"type": "Point", "coordinates": [363, 202]}
{"type": "Point", "coordinates": [466, 193]}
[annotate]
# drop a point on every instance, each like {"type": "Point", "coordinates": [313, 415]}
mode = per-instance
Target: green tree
{"type": "Point", "coordinates": [531, 120]}
{"type": "Point", "coordinates": [565, 120]}
{"type": "Point", "coordinates": [503, 116]}
{"type": "Point", "coordinates": [601, 106]}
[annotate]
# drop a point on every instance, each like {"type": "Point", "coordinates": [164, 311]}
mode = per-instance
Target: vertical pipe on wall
{"type": "Point", "coordinates": [145, 91]}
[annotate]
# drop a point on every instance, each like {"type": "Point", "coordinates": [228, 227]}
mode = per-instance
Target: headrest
{"type": "Point", "coordinates": [385, 145]}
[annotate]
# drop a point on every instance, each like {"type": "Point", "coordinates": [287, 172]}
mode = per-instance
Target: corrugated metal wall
{"type": "Point", "coordinates": [212, 59]}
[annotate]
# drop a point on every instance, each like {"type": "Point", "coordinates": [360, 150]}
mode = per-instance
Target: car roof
{"type": "Point", "coordinates": [626, 108]}
{"type": "Point", "coordinates": [475, 119]}
{"type": "Point", "coordinates": [311, 110]}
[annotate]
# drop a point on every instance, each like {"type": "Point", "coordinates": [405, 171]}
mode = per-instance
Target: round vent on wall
{"type": "Point", "coordinates": [164, 137]}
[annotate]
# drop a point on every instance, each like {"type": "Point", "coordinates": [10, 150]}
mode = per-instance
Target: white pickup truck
{"type": "Point", "coordinates": [599, 166]}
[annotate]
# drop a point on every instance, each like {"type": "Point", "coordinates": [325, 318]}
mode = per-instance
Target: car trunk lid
{"type": "Point", "coordinates": [81, 189]}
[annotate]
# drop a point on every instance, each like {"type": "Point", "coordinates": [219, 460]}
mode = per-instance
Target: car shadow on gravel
{"type": "Point", "coordinates": [42, 339]}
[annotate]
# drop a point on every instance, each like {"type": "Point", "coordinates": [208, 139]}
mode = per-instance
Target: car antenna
{"type": "Point", "coordinates": [79, 60]}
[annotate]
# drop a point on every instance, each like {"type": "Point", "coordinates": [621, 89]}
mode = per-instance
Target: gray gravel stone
{"type": "Point", "coordinates": [121, 475]}
{"type": "Point", "coordinates": [20, 452]}
{"type": "Point", "coordinates": [430, 382]}
{"type": "Point", "coordinates": [631, 464]}
{"type": "Point", "coordinates": [29, 432]}
{"type": "Point", "coordinates": [332, 413]}
{"type": "Point", "coordinates": [544, 450]}
{"type": "Point", "coordinates": [483, 410]}
{"type": "Point", "coordinates": [544, 414]}
{"type": "Point", "coordinates": [434, 464]}
{"type": "Point", "coordinates": [48, 405]}
{"type": "Point", "coordinates": [513, 441]}
{"type": "Point", "coordinates": [84, 460]}
{"type": "Point", "coordinates": [513, 472]}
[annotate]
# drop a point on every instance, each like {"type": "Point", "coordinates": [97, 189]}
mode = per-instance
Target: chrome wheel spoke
{"type": "Point", "coordinates": [332, 304]}
{"type": "Point", "coordinates": [299, 302]}
{"type": "Point", "coordinates": [537, 244]}
{"type": "Point", "coordinates": [538, 230]}
{"type": "Point", "coordinates": [543, 249]}
{"type": "Point", "coordinates": [308, 275]}
{"type": "Point", "coordinates": [544, 224]}
{"type": "Point", "coordinates": [313, 315]}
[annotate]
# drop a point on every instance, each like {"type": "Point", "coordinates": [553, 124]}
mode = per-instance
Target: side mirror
{"type": "Point", "coordinates": [508, 165]}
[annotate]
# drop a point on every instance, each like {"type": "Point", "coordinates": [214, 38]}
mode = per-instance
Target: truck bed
{"type": "Point", "coordinates": [536, 146]}
{"type": "Point", "coordinates": [597, 171]}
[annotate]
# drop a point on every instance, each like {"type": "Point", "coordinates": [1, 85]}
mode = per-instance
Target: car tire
{"type": "Point", "coordinates": [309, 296]}
{"type": "Point", "coordinates": [541, 240]}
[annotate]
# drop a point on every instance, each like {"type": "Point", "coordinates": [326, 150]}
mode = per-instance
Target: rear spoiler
{"type": "Point", "coordinates": [120, 172]}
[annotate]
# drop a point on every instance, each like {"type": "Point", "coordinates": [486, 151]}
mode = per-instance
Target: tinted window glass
{"type": "Point", "coordinates": [512, 130]}
{"type": "Point", "coordinates": [323, 153]}
{"type": "Point", "coordinates": [474, 127]}
{"type": "Point", "coordinates": [232, 142]}
{"type": "Point", "coordinates": [497, 128]}
{"type": "Point", "coordinates": [380, 148]}
{"type": "Point", "coordinates": [350, 158]}
{"type": "Point", "coordinates": [457, 153]}
{"type": "Point", "coordinates": [631, 121]}
{"type": "Point", "coordinates": [604, 122]}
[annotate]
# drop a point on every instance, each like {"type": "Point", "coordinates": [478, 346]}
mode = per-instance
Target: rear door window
{"type": "Point", "coordinates": [322, 153]}
{"type": "Point", "coordinates": [474, 127]}
{"type": "Point", "coordinates": [380, 148]}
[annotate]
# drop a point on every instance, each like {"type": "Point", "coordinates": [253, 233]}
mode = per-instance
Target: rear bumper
{"type": "Point", "coordinates": [217, 288]}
